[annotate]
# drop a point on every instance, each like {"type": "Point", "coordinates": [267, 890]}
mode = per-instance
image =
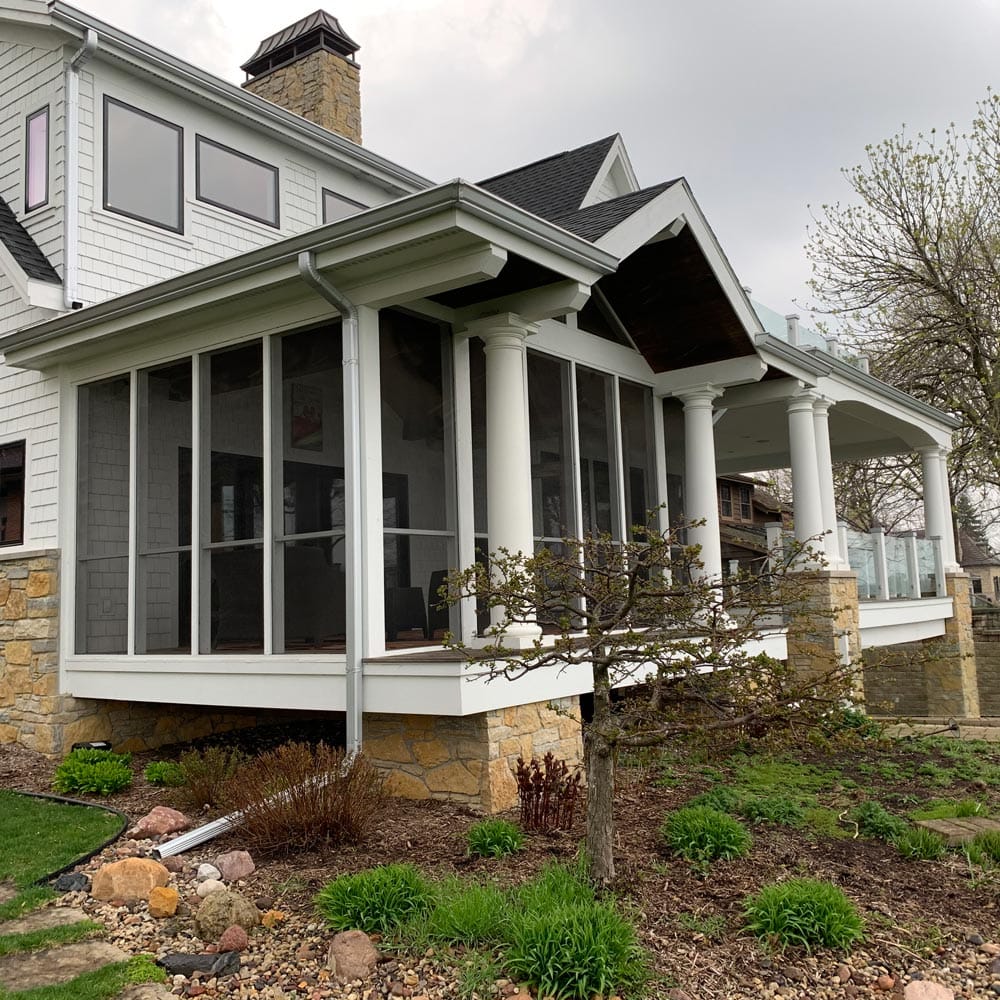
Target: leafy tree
{"type": "Point", "coordinates": [642, 610]}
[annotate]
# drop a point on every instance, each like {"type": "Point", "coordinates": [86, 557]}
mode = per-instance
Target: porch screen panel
{"type": "Point", "coordinates": [636, 403]}
{"type": "Point", "coordinates": [598, 474]}
{"type": "Point", "coordinates": [550, 426]}
{"type": "Point", "coordinates": [235, 555]}
{"type": "Point", "coordinates": [418, 495]}
{"type": "Point", "coordinates": [163, 573]}
{"type": "Point", "coordinates": [673, 433]}
{"type": "Point", "coordinates": [102, 517]}
{"type": "Point", "coordinates": [311, 549]}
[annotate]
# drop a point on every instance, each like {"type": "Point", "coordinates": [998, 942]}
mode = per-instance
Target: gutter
{"type": "Point", "coordinates": [353, 527]}
{"type": "Point", "coordinates": [71, 181]}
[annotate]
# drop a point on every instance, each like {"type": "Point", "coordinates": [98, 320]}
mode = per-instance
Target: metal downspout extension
{"type": "Point", "coordinates": [71, 181]}
{"type": "Point", "coordinates": [353, 526]}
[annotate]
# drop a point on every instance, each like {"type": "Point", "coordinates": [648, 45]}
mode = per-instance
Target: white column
{"type": "Point", "coordinates": [806, 494]}
{"type": "Point", "coordinates": [824, 465]}
{"type": "Point", "coordinates": [701, 492]}
{"type": "Point", "coordinates": [937, 504]}
{"type": "Point", "coordinates": [508, 446]}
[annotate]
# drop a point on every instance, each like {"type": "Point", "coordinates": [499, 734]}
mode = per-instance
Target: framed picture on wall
{"type": "Point", "coordinates": [307, 416]}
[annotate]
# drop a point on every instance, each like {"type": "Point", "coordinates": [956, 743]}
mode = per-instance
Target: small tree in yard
{"type": "Point", "coordinates": [641, 610]}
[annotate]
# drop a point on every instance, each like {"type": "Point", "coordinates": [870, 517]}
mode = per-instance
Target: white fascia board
{"type": "Point", "coordinates": [229, 98]}
{"type": "Point", "coordinates": [731, 372]}
{"type": "Point", "coordinates": [43, 294]}
{"type": "Point", "coordinates": [677, 202]}
{"type": "Point", "coordinates": [617, 154]}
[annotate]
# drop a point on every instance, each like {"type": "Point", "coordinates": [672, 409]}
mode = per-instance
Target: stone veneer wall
{"type": "Point", "coordinates": [988, 674]}
{"type": "Point", "coordinates": [894, 680]}
{"type": "Point", "coordinates": [471, 759]}
{"type": "Point", "coordinates": [321, 86]}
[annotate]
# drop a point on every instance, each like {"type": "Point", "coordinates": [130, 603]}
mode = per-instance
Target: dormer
{"type": "Point", "coordinates": [614, 178]}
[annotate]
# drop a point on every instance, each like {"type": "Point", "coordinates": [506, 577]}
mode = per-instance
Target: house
{"type": "Point", "coordinates": [262, 388]}
{"type": "Point", "coordinates": [746, 508]}
{"type": "Point", "coordinates": [982, 565]}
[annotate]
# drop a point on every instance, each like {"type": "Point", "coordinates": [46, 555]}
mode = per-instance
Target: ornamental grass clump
{"type": "Point", "coordinates": [874, 820]}
{"type": "Point", "coordinates": [164, 773]}
{"type": "Point", "coordinates": [100, 772]}
{"type": "Point", "coordinates": [376, 901]}
{"type": "Point", "coordinates": [805, 913]}
{"type": "Point", "coordinates": [494, 838]}
{"type": "Point", "coordinates": [208, 774]}
{"type": "Point", "coordinates": [920, 844]}
{"type": "Point", "coordinates": [984, 849]}
{"type": "Point", "coordinates": [466, 914]}
{"type": "Point", "coordinates": [701, 835]}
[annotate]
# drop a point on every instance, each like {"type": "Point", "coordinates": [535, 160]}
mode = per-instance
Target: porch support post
{"type": "Point", "coordinates": [937, 504]}
{"type": "Point", "coordinates": [806, 493]}
{"type": "Point", "coordinates": [508, 447]}
{"type": "Point", "coordinates": [701, 500]}
{"type": "Point", "coordinates": [835, 558]}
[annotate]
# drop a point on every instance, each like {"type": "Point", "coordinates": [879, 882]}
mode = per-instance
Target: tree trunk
{"type": "Point", "coordinates": [600, 763]}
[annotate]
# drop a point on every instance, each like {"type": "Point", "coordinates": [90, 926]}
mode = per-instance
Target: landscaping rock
{"type": "Point", "coordinates": [158, 822]}
{"type": "Point", "coordinates": [146, 991]}
{"type": "Point", "coordinates": [234, 939]}
{"type": "Point", "coordinates": [225, 964]}
{"type": "Point", "coordinates": [272, 918]}
{"type": "Point", "coordinates": [163, 901]}
{"type": "Point", "coordinates": [351, 956]}
{"type": "Point", "coordinates": [72, 882]}
{"type": "Point", "coordinates": [129, 879]}
{"type": "Point", "coordinates": [221, 910]}
{"type": "Point", "coordinates": [209, 886]}
{"type": "Point", "coordinates": [173, 863]}
{"type": "Point", "coordinates": [924, 990]}
{"type": "Point", "coordinates": [264, 902]}
{"type": "Point", "coordinates": [235, 865]}
{"type": "Point", "coordinates": [207, 871]}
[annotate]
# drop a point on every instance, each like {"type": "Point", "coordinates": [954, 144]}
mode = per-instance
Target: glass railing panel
{"type": "Point", "coordinates": [861, 556]}
{"type": "Point", "coordinates": [926, 567]}
{"type": "Point", "coordinates": [897, 567]}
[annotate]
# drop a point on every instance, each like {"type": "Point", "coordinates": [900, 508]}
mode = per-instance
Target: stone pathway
{"type": "Point", "coordinates": [960, 831]}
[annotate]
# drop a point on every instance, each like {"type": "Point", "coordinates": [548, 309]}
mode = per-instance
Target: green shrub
{"type": "Point", "coordinates": [778, 809]}
{"type": "Point", "coordinates": [493, 838]}
{"type": "Point", "coordinates": [468, 914]}
{"type": "Point", "coordinates": [874, 820]}
{"type": "Point", "coordinates": [207, 774]}
{"type": "Point", "coordinates": [375, 901]}
{"type": "Point", "coordinates": [556, 885]}
{"type": "Point", "coordinates": [724, 798]}
{"type": "Point", "coordinates": [700, 834]}
{"type": "Point", "coordinates": [804, 912]}
{"type": "Point", "coordinates": [920, 844]}
{"type": "Point", "coordinates": [576, 950]}
{"type": "Point", "coordinates": [101, 772]}
{"type": "Point", "coordinates": [853, 721]}
{"type": "Point", "coordinates": [984, 849]}
{"type": "Point", "coordinates": [164, 772]}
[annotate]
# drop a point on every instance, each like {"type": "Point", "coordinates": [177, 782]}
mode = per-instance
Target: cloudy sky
{"type": "Point", "coordinates": [759, 104]}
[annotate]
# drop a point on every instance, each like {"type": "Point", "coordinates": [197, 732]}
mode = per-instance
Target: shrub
{"type": "Point", "coordinates": [725, 798]}
{"type": "Point", "coordinates": [984, 849]}
{"type": "Point", "coordinates": [493, 838]}
{"type": "Point", "coordinates": [297, 797]}
{"type": "Point", "coordinates": [576, 950]}
{"type": "Point", "coordinates": [208, 773]}
{"type": "Point", "coordinates": [700, 834]}
{"type": "Point", "coordinates": [804, 912]}
{"type": "Point", "coordinates": [98, 771]}
{"type": "Point", "coordinates": [548, 793]}
{"type": "Point", "coordinates": [468, 914]}
{"type": "Point", "coordinates": [375, 901]}
{"type": "Point", "coordinates": [920, 844]}
{"type": "Point", "coordinates": [164, 772]}
{"type": "Point", "coordinates": [556, 885]}
{"type": "Point", "coordinates": [772, 809]}
{"type": "Point", "coordinates": [874, 820]}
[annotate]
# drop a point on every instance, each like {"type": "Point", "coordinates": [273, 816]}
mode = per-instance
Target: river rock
{"type": "Point", "coordinates": [207, 871]}
{"type": "Point", "coordinates": [234, 939]}
{"type": "Point", "coordinates": [352, 956]}
{"type": "Point", "coordinates": [923, 989]}
{"type": "Point", "coordinates": [235, 865]}
{"type": "Point", "coordinates": [209, 886]}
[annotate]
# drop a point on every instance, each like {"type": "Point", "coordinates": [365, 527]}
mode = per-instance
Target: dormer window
{"type": "Point", "coordinates": [143, 166]}
{"type": "Point", "coordinates": [236, 182]}
{"type": "Point", "coordinates": [336, 206]}
{"type": "Point", "coordinates": [36, 170]}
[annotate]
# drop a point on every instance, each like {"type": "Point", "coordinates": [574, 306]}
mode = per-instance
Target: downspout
{"type": "Point", "coordinates": [71, 180]}
{"type": "Point", "coordinates": [353, 515]}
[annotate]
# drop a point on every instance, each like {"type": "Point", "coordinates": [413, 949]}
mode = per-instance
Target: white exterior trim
{"type": "Point", "coordinates": [886, 623]}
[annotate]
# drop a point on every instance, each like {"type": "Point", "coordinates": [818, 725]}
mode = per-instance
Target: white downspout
{"type": "Point", "coordinates": [353, 514]}
{"type": "Point", "coordinates": [71, 179]}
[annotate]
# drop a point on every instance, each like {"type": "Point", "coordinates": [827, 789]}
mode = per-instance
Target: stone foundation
{"type": "Point", "coordinates": [471, 759]}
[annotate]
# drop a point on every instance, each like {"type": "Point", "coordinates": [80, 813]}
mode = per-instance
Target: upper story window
{"type": "Point", "coordinates": [336, 206]}
{"type": "Point", "coordinates": [36, 170]}
{"type": "Point", "coordinates": [143, 166]}
{"type": "Point", "coordinates": [746, 512]}
{"type": "Point", "coordinates": [725, 500]}
{"type": "Point", "coordinates": [236, 182]}
{"type": "Point", "coordinates": [12, 493]}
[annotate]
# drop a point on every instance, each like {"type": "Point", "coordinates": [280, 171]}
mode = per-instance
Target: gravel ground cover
{"type": "Point", "coordinates": [937, 921]}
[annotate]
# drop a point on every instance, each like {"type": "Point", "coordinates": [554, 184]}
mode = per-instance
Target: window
{"type": "Point", "coordinates": [336, 206]}
{"type": "Point", "coordinates": [36, 170]}
{"type": "Point", "coordinates": [143, 166]}
{"type": "Point", "coordinates": [725, 500]}
{"type": "Point", "coordinates": [236, 182]}
{"type": "Point", "coordinates": [746, 511]}
{"type": "Point", "coordinates": [12, 493]}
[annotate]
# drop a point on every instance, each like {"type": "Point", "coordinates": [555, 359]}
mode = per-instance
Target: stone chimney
{"type": "Point", "coordinates": [309, 68]}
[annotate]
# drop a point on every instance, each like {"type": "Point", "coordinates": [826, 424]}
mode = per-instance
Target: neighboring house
{"type": "Point", "coordinates": [746, 508]}
{"type": "Point", "coordinates": [263, 388]}
{"type": "Point", "coordinates": [982, 565]}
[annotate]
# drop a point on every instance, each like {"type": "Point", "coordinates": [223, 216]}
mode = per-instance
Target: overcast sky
{"type": "Point", "coordinates": [758, 104]}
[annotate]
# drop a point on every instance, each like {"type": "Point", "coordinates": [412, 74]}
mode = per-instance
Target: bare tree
{"type": "Point", "coordinates": [640, 610]}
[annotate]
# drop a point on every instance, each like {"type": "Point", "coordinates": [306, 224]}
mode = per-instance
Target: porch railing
{"type": "Point", "coordinates": [894, 567]}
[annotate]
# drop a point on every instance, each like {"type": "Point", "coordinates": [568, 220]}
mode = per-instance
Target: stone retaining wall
{"type": "Point", "coordinates": [988, 673]}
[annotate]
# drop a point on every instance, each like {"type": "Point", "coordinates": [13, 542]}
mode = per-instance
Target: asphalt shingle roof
{"type": "Point", "coordinates": [23, 248]}
{"type": "Point", "coordinates": [594, 221]}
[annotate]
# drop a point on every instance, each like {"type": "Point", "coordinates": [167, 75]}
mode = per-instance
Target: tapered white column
{"type": "Point", "coordinates": [806, 494]}
{"type": "Point", "coordinates": [824, 466]}
{"type": "Point", "coordinates": [937, 503]}
{"type": "Point", "coordinates": [508, 445]}
{"type": "Point", "coordinates": [701, 496]}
